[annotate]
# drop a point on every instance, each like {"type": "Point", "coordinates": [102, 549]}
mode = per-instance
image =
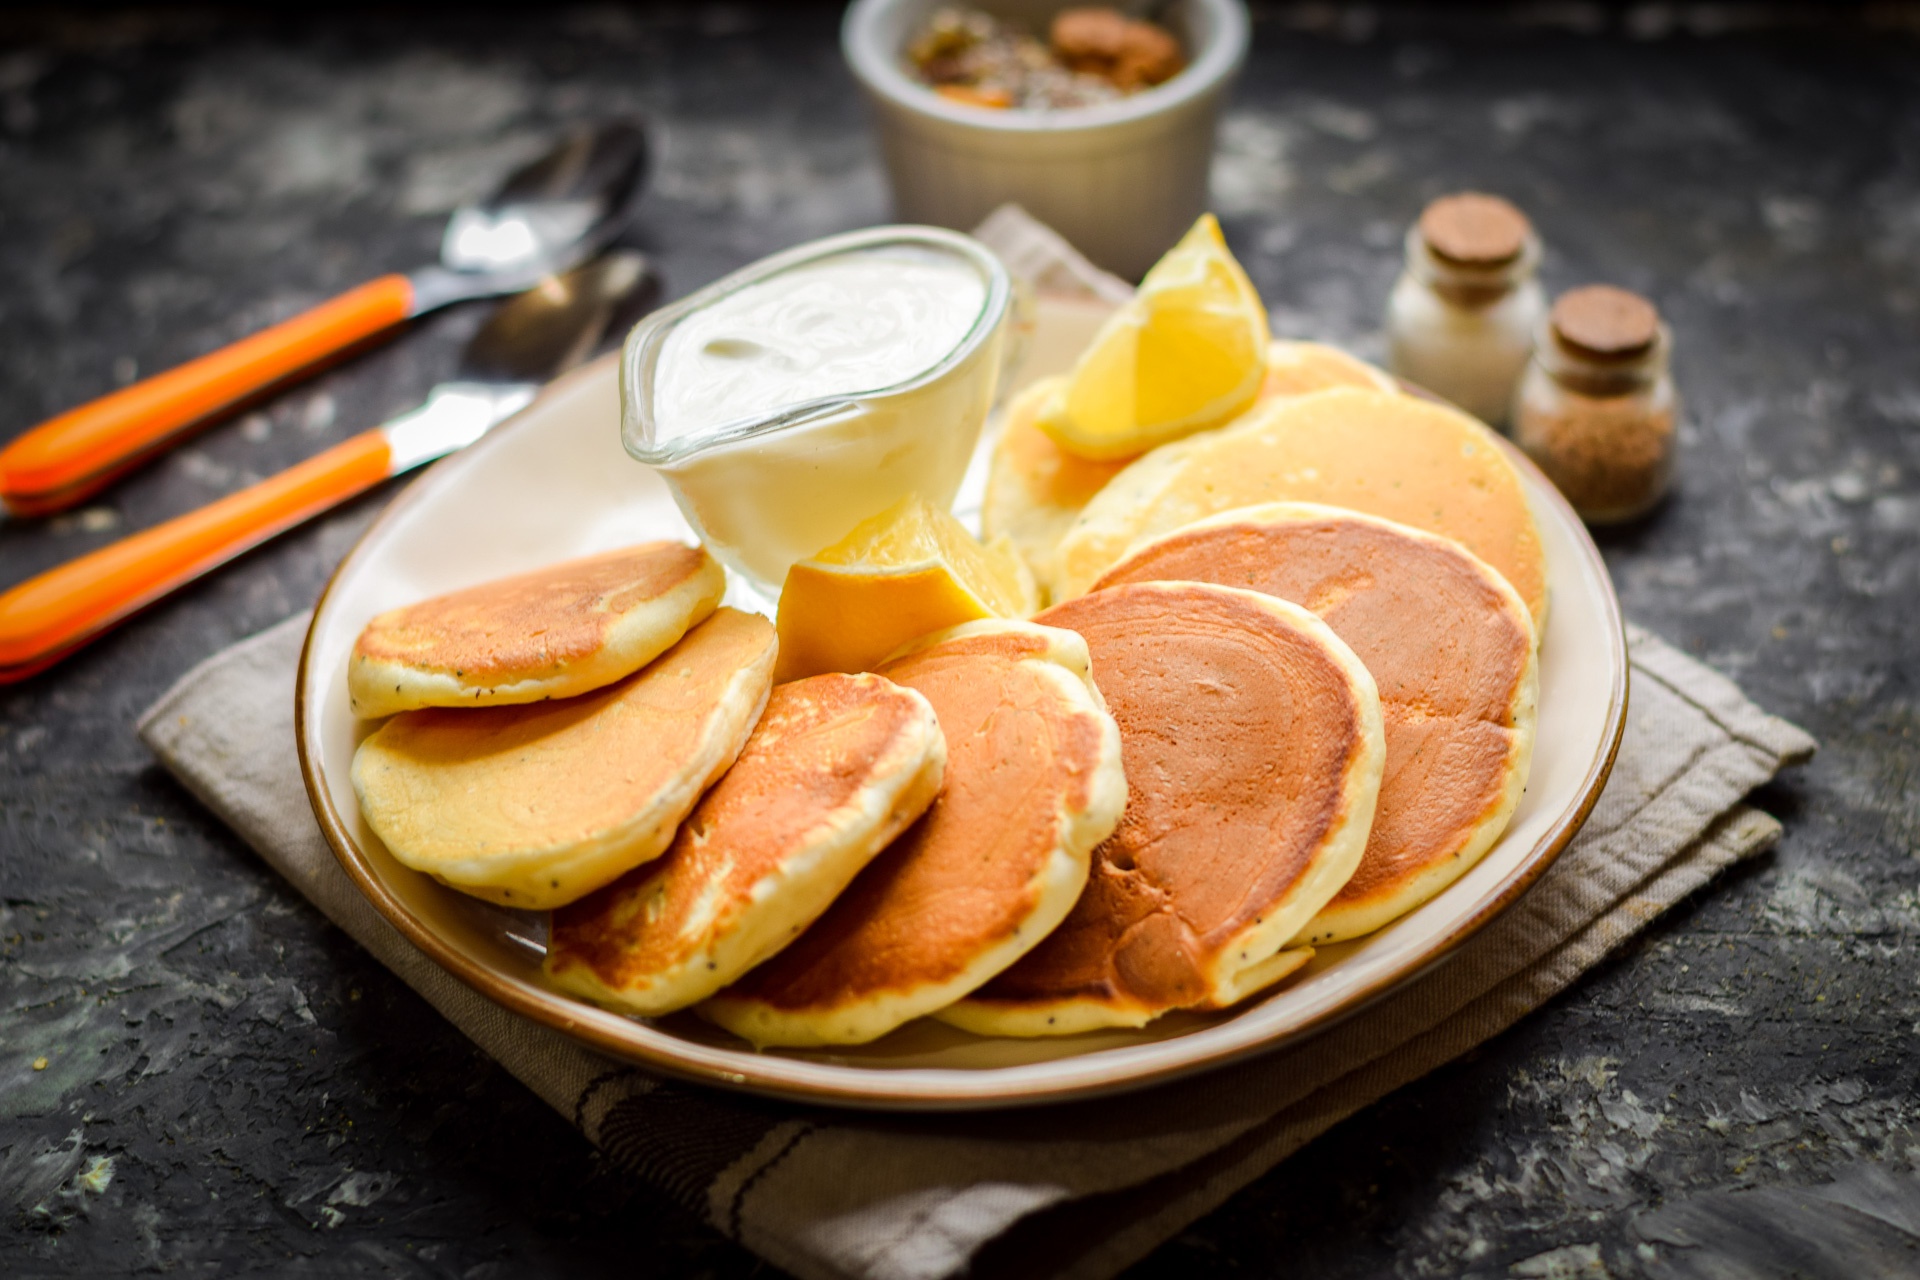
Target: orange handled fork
{"type": "Point", "coordinates": [535, 335]}
{"type": "Point", "coordinates": [555, 212]}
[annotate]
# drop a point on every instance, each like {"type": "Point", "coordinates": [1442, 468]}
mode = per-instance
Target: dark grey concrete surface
{"type": "Point", "coordinates": [230, 1087]}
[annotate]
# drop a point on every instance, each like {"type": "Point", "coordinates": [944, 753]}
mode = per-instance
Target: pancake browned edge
{"type": "Point", "coordinates": [1451, 648]}
{"type": "Point", "coordinates": [553, 633]}
{"type": "Point", "coordinates": [1254, 751]}
{"type": "Point", "coordinates": [536, 806]}
{"type": "Point", "coordinates": [838, 766]}
{"type": "Point", "coordinates": [1033, 784]}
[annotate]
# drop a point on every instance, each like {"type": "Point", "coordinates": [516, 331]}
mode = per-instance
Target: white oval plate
{"type": "Point", "coordinates": [555, 483]}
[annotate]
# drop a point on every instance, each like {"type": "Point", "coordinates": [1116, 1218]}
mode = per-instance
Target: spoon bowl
{"type": "Point", "coordinates": [544, 218]}
{"type": "Point", "coordinates": [559, 322]}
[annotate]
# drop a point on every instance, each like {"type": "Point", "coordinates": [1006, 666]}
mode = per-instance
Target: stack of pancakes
{"type": "Point", "coordinates": [1274, 806]}
{"type": "Point", "coordinates": [1402, 527]}
{"type": "Point", "coordinates": [818, 861]}
{"type": "Point", "coordinates": [1285, 694]}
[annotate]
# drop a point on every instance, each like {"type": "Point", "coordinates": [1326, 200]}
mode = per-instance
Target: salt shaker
{"type": "Point", "coordinates": [1464, 312]}
{"type": "Point", "coordinates": [1596, 408]}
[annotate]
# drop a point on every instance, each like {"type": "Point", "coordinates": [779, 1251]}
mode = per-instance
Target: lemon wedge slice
{"type": "Point", "coordinates": [1187, 353]}
{"type": "Point", "coordinates": [911, 570]}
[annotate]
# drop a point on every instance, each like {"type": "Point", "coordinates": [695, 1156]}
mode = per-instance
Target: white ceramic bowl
{"type": "Point", "coordinates": [1121, 181]}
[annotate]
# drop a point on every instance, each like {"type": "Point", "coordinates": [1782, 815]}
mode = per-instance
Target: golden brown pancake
{"type": "Point", "coordinates": [837, 767]}
{"type": "Point", "coordinates": [1450, 646]}
{"type": "Point", "coordinates": [1253, 748]}
{"type": "Point", "coordinates": [535, 806]}
{"type": "Point", "coordinates": [1408, 460]}
{"type": "Point", "coordinates": [552, 633]}
{"type": "Point", "coordinates": [1033, 784]}
{"type": "Point", "coordinates": [1036, 488]}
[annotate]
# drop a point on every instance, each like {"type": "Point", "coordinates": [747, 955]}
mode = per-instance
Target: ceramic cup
{"type": "Point", "coordinates": [1121, 181]}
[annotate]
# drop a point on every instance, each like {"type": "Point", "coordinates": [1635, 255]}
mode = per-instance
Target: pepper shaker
{"type": "Point", "coordinates": [1462, 317]}
{"type": "Point", "coordinates": [1596, 408]}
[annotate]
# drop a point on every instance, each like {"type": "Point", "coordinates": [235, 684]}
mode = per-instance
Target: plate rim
{"type": "Point", "coordinates": [890, 1090]}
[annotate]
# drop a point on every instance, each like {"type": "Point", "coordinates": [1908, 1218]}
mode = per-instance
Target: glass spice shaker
{"type": "Point", "coordinates": [1596, 409]}
{"type": "Point", "coordinates": [1462, 316]}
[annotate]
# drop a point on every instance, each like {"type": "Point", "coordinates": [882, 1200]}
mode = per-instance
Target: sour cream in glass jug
{"type": "Point", "coordinates": [795, 398]}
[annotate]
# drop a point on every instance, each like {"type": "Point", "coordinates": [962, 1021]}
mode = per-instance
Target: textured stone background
{"type": "Point", "coordinates": [232, 1087]}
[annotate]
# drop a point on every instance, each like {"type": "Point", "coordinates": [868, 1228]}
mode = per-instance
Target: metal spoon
{"type": "Point", "coordinates": [532, 337]}
{"type": "Point", "coordinates": [546, 217]}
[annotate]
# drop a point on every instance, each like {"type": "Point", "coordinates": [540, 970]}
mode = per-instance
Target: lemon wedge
{"type": "Point", "coordinates": [1187, 353]}
{"type": "Point", "coordinates": [911, 570]}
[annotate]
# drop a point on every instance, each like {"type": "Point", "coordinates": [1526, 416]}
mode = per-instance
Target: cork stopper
{"type": "Point", "coordinates": [1474, 230]}
{"type": "Point", "coordinates": [1604, 323]}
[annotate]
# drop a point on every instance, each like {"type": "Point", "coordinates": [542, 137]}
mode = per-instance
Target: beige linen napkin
{"type": "Point", "coordinates": [1078, 1190]}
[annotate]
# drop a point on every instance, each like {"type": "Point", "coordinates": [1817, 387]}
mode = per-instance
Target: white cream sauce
{"type": "Point", "coordinates": [855, 322]}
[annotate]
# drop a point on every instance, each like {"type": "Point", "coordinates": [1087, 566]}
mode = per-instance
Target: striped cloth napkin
{"type": "Point", "coordinates": [1079, 1190]}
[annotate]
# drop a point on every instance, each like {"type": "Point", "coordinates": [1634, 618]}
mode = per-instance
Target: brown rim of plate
{"type": "Point", "coordinates": [895, 1090]}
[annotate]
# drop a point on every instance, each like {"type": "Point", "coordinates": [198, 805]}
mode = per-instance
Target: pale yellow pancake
{"type": "Point", "coordinates": [1253, 748]}
{"type": "Point", "coordinates": [552, 633]}
{"type": "Point", "coordinates": [535, 806]}
{"type": "Point", "coordinates": [1033, 784]}
{"type": "Point", "coordinates": [1408, 460]}
{"type": "Point", "coordinates": [1036, 488]}
{"type": "Point", "coordinates": [1450, 646]}
{"type": "Point", "coordinates": [838, 766]}
{"type": "Point", "coordinates": [1296, 368]}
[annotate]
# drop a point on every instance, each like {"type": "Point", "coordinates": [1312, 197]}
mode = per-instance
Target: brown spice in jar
{"type": "Point", "coordinates": [1609, 455]}
{"type": "Point", "coordinates": [1601, 322]}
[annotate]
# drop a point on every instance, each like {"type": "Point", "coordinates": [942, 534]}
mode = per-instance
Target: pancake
{"type": "Point", "coordinates": [838, 766]}
{"type": "Point", "coordinates": [552, 633]}
{"type": "Point", "coordinates": [1450, 646]}
{"type": "Point", "coordinates": [1296, 368]}
{"type": "Point", "coordinates": [1036, 489]}
{"type": "Point", "coordinates": [1033, 784]}
{"type": "Point", "coordinates": [1388, 455]}
{"type": "Point", "coordinates": [1253, 746]}
{"type": "Point", "coordinates": [535, 806]}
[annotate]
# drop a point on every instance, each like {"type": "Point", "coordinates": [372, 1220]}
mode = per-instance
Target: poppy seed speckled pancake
{"type": "Point", "coordinates": [1388, 455]}
{"type": "Point", "coordinates": [535, 806]}
{"type": "Point", "coordinates": [1253, 750]}
{"type": "Point", "coordinates": [1450, 646]}
{"type": "Point", "coordinates": [837, 767]}
{"type": "Point", "coordinates": [1033, 784]}
{"type": "Point", "coordinates": [552, 633]}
